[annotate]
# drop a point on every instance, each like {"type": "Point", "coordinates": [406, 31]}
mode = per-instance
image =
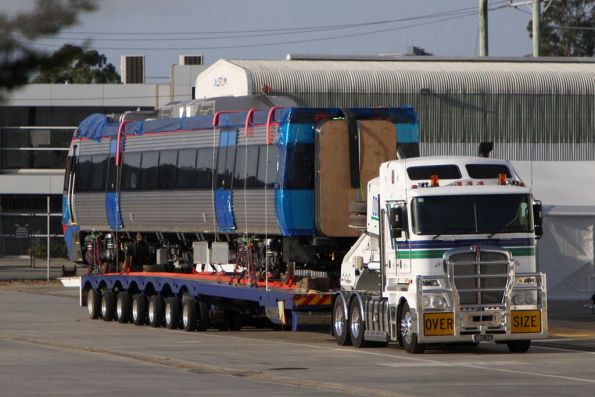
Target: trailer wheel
{"type": "Point", "coordinates": [172, 313]}
{"type": "Point", "coordinates": [408, 337]}
{"type": "Point", "coordinates": [357, 326]}
{"type": "Point", "coordinates": [340, 323]}
{"type": "Point", "coordinates": [518, 346]}
{"type": "Point", "coordinates": [123, 307]}
{"type": "Point", "coordinates": [189, 314]}
{"type": "Point", "coordinates": [155, 311]}
{"type": "Point", "coordinates": [108, 305]}
{"type": "Point", "coordinates": [93, 303]}
{"type": "Point", "coordinates": [202, 316]}
{"type": "Point", "coordinates": [139, 309]}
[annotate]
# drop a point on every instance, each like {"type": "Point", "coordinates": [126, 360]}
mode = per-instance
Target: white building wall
{"type": "Point", "coordinates": [223, 79]}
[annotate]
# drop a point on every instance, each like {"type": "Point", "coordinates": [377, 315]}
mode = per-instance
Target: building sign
{"type": "Point", "coordinates": [220, 81]}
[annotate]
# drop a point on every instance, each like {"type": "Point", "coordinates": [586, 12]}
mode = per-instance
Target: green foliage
{"type": "Point", "coordinates": [73, 64]}
{"type": "Point", "coordinates": [561, 33]}
{"type": "Point", "coordinates": [18, 56]}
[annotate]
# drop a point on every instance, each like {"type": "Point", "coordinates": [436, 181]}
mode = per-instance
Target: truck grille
{"type": "Point", "coordinates": [480, 277]}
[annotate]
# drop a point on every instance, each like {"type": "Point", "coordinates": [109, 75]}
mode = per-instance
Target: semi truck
{"type": "Point", "coordinates": [292, 217]}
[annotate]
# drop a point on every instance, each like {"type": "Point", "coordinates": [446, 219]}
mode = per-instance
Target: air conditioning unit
{"type": "Point", "coordinates": [190, 60]}
{"type": "Point", "coordinates": [132, 69]}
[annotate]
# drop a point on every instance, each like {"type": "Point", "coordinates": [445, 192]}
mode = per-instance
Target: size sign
{"type": "Point", "coordinates": [526, 322]}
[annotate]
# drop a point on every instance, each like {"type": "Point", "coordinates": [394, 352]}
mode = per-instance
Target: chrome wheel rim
{"type": "Point", "coordinates": [167, 313]}
{"type": "Point", "coordinates": [119, 308]}
{"type": "Point", "coordinates": [90, 302]}
{"type": "Point", "coordinates": [135, 309]}
{"type": "Point", "coordinates": [151, 311]}
{"type": "Point", "coordinates": [339, 320]}
{"type": "Point", "coordinates": [406, 324]}
{"type": "Point", "coordinates": [355, 322]}
{"type": "Point", "coordinates": [104, 307]}
{"type": "Point", "coordinates": [185, 315]}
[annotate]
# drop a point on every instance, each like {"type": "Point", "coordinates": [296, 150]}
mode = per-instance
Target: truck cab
{"type": "Point", "coordinates": [448, 255]}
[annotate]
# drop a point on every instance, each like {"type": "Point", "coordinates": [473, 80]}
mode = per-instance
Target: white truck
{"type": "Point", "coordinates": [447, 256]}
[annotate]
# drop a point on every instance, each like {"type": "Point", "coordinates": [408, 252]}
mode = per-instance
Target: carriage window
{"type": "Point", "coordinates": [185, 178]}
{"type": "Point", "coordinates": [267, 166]}
{"type": "Point", "coordinates": [239, 173]}
{"type": "Point", "coordinates": [131, 171]}
{"type": "Point", "coordinates": [167, 169]}
{"type": "Point", "coordinates": [226, 157]}
{"type": "Point", "coordinates": [299, 166]}
{"type": "Point", "coordinates": [204, 168]}
{"type": "Point", "coordinates": [83, 175]}
{"type": "Point", "coordinates": [148, 175]}
{"type": "Point", "coordinates": [98, 171]}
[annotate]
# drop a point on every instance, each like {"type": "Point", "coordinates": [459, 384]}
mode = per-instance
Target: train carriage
{"type": "Point", "coordinates": [289, 179]}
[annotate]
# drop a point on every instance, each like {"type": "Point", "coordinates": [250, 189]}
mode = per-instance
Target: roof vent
{"type": "Point", "coordinates": [190, 60]}
{"type": "Point", "coordinates": [132, 69]}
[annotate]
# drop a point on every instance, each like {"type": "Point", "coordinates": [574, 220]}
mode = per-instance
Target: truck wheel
{"type": "Point", "coordinates": [155, 311]}
{"type": "Point", "coordinates": [408, 337]}
{"type": "Point", "coordinates": [108, 305]}
{"type": "Point", "coordinates": [172, 313]}
{"type": "Point", "coordinates": [139, 309]}
{"type": "Point", "coordinates": [340, 323]}
{"type": "Point", "coordinates": [202, 316]}
{"type": "Point", "coordinates": [518, 346]}
{"type": "Point", "coordinates": [356, 324]}
{"type": "Point", "coordinates": [189, 314]}
{"type": "Point", "coordinates": [123, 307]}
{"type": "Point", "coordinates": [93, 303]}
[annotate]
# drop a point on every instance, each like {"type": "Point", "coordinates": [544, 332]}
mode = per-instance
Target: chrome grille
{"type": "Point", "coordinates": [479, 275]}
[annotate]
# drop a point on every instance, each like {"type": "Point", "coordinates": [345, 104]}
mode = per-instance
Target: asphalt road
{"type": "Point", "coordinates": [49, 347]}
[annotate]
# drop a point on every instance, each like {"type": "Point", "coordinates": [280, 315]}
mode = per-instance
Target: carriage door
{"type": "Point", "coordinates": [112, 195]}
{"type": "Point", "coordinates": [226, 157]}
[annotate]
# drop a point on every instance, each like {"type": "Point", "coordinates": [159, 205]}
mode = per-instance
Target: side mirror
{"type": "Point", "coordinates": [395, 222]}
{"type": "Point", "coordinates": [538, 219]}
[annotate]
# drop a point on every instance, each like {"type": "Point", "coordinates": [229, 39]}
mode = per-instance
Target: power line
{"type": "Point", "coordinates": [300, 41]}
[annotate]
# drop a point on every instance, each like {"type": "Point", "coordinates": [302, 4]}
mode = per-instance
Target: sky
{"type": "Point", "coordinates": [266, 29]}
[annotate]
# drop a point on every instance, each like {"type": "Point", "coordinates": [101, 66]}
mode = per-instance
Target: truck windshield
{"type": "Point", "coordinates": [502, 213]}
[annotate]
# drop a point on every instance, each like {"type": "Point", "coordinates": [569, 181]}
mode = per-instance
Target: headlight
{"type": "Point", "coordinates": [434, 301]}
{"type": "Point", "coordinates": [518, 299]}
{"type": "Point", "coordinates": [524, 298]}
{"type": "Point", "coordinates": [439, 302]}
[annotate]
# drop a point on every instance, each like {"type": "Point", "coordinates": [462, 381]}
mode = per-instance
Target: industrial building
{"type": "Point", "coordinates": [540, 113]}
{"type": "Point", "coordinates": [36, 125]}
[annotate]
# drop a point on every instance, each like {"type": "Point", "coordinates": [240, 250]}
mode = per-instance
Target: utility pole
{"type": "Point", "coordinates": [483, 28]}
{"type": "Point", "coordinates": [536, 26]}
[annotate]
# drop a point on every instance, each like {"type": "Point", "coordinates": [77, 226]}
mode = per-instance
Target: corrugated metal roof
{"type": "Point", "coordinates": [410, 76]}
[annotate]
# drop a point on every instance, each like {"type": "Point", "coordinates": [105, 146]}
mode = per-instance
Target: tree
{"type": "Point", "coordinates": [567, 29]}
{"type": "Point", "coordinates": [74, 64]}
{"type": "Point", "coordinates": [18, 56]}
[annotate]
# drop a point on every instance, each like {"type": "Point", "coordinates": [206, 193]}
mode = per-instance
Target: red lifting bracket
{"type": "Point", "coordinates": [120, 132]}
{"type": "Point", "coordinates": [249, 120]}
{"type": "Point", "coordinates": [270, 120]}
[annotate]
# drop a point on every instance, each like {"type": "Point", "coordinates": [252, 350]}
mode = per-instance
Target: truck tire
{"type": "Point", "coordinates": [357, 326]}
{"type": "Point", "coordinates": [189, 315]}
{"type": "Point", "coordinates": [108, 305]}
{"type": "Point", "coordinates": [155, 311]}
{"type": "Point", "coordinates": [172, 313]}
{"type": "Point", "coordinates": [518, 346]}
{"type": "Point", "coordinates": [408, 337]}
{"type": "Point", "coordinates": [93, 303]}
{"type": "Point", "coordinates": [123, 307]}
{"type": "Point", "coordinates": [202, 316]}
{"type": "Point", "coordinates": [139, 309]}
{"type": "Point", "coordinates": [340, 322]}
